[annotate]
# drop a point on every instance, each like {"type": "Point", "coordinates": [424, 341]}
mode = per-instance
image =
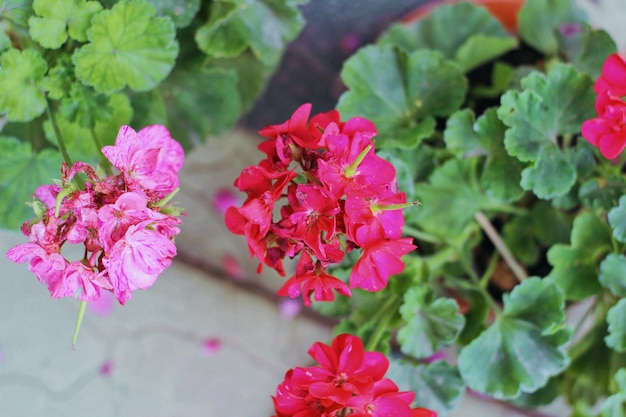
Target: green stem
{"type": "Point", "coordinates": [382, 318]}
{"type": "Point", "coordinates": [493, 262]}
{"type": "Point", "coordinates": [57, 133]}
{"type": "Point", "coordinates": [501, 247]}
{"type": "Point", "coordinates": [79, 321]}
{"type": "Point", "coordinates": [420, 235]}
{"type": "Point", "coordinates": [476, 281]}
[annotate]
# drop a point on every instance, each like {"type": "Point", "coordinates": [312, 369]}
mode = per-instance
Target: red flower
{"type": "Point", "coordinates": [384, 400]}
{"type": "Point", "coordinates": [310, 279]}
{"type": "Point", "coordinates": [608, 131]}
{"type": "Point", "coordinates": [613, 78]}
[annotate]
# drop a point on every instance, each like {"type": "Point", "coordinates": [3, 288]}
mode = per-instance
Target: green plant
{"type": "Point", "coordinates": [73, 71]}
{"type": "Point", "coordinates": [521, 218]}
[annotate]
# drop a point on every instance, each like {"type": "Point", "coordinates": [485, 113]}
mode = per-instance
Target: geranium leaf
{"type": "Point", "coordinates": [603, 193]}
{"type": "Point", "coordinates": [523, 348]}
{"type": "Point", "coordinates": [612, 274]}
{"type": "Point", "coordinates": [437, 386]}
{"type": "Point", "coordinates": [519, 236]}
{"type": "Point", "coordinates": [16, 11]}
{"type": "Point", "coordinates": [21, 74]}
{"type": "Point", "coordinates": [549, 106]}
{"type": "Point", "coordinates": [617, 220]}
{"type": "Point", "coordinates": [188, 95]}
{"type": "Point", "coordinates": [478, 37]}
{"type": "Point", "coordinates": [586, 48]}
{"type": "Point", "coordinates": [430, 324]}
{"type": "Point", "coordinates": [539, 19]}
{"type": "Point", "coordinates": [60, 79]}
{"type": "Point", "coordinates": [456, 179]}
{"type": "Point", "coordinates": [55, 20]}
{"type": "Point", "coordinates": [408, 138]}
{"type": "Point", "coordinates": [551, 176]}
{"type": "Point", "coordinates": [128, 46]}
{"type": "Point", "coordinates": [615, 405]}
{"type": "Point", "coordinates": [408, 89]}
{"type": "Point", "coordinates": [551, 226]}
{"type": "Point", "coordinates": [21, 171]}
{"type": "Point", "coordinates": [460, 137]}
{"type": "Point", "coordinates": [616, 339]}
{"type": "Point", "coordinates": [264, 26]}
{"type": "Point", "coordinates": [575, 266]}
{"type": "Point", "coordinates": [85, 106]}
{"type": "Point", "coordinates": [181, 12]}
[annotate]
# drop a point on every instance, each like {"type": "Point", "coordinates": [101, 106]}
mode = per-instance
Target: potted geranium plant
{"type": "Point", "coordinates": [521, 216]}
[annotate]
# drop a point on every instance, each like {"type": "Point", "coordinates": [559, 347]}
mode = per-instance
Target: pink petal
{"type": "Point", "coordinates": [211, 346]}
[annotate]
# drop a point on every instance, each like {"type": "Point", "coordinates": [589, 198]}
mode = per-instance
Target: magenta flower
{"type": "Point", "coordinates": [136, 261]}
{"type": "Point", "coordinates": [608, 130]}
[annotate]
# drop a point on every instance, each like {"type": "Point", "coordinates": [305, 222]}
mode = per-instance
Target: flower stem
{"type": "Point", "coordinates": [477, 283]}
{"type": "Point", "coordinates": [501, 247]}
{"type": "Point", "coordinates": [57, 133]}
{"type": "Point", "coordinates": [79, 321]}
{"type": "Point", "coordinates": [382, 318]}
{"type": "Point", "coordinates": [416, 233]}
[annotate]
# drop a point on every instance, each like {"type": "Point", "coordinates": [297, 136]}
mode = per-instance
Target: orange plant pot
{"type": "Point", "coordinates": [504, 10]}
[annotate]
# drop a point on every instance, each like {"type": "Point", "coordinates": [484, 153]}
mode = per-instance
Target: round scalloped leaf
{"type": "Point", "coordinates": [617, 220]}
{"type": "Point", "coordinates": [430, 324]}
{"type": "Point", "coordinates": [437, 386]}
{"type": "Point", "coordinates": [54, 20]}
{"type": "Point", "coordinates": [616, 339]}
{"type": "Point", "coordinates": [478, 37]}
{"type": "Point", "coordinates": [181, 12]}
{"type": "Point", "coordinates": [128, 46]}
{"type": "Point", "coordinates": [407, 89]}
{"type": "Point", "coordinates": [586, 48]}
{"type": "Point", "coordinates": [612, 274]}
{"type": "Point", "coordinates": [523, 348]}
{"type": "Point", "coordinates": [21, 74]}
{"type": "Point", "coordinates": [21, 171]}
{"type": "Point", "coordinates": [551, 176]}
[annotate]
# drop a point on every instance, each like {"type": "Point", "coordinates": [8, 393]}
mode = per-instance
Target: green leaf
{"type": "Point", "coordinates": [408, 138]}
{"type": "Point", "coordinates": [612, 274]}
{"type": "Point", "coordinates": [549, 106]}
{"type": "Point", "coordinates": [54, 20]}
{"type": "Point", "coordinates": [60, 79]}
{"type": "Point", "coordinates": [264, 26]}
{"type": "Point", "coordinates": [575, 266]}
{"type": "Point", "coordinates": [460, 137]}
{"type": "Point", "coordinates": [586, 48]}
{"type": "Point", "coordinates": [85, 106]}
{"type": "Point", "coordinates": [602, 193]}
{"type": "Point", "coordinates": [181, 12]}
{"type": "Point", "coordinates": [539, 19]}
{"type": "Point", "coordinates": [617, 220]}
{"type": "Point", "coordinates": [523, 348]}
{"type": "Point", "coordinates": [616, 339]}
{"type": "Point", "coordinates": [430, 324]}
{"type": "Point", "coordinates": [407, 89]}
{"type": "Point", "coordinates": [551, 176]}
{"type": "Point", "coordinates": [478, 37]}
{"type": "Point", "coordinates": [148, 109]}
{"type": "Point", "coordinates": [79, 139]}
{"type": "Point", "coordinates": [21, 74]}
{"type": "Point", "coordinates": [519, 236]}
{"type": "Point", "coordinates": [550, 225]}
{"type": "Point", "coordinates": [5, 41]}
{"type": "Point", "coordinates": [16, 11]}
{"type": "Point", "coordinates": [615, 405]}
{"type": "Point", "coordinates": [456, 180]}
{"type": "Point", "coordinates": [128, 46]}
{"type": "Point", "coordinates": [200, 103]}
{"type": "Point", "coordinates": [437, 386]}
{"type": "Point", "coordinates": [21, 172]}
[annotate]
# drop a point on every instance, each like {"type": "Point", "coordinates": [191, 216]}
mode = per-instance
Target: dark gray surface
{"type": "Point", "coordinates": [309, 71]}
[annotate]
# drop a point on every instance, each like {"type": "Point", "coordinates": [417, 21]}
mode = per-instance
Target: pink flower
{"type": "Point", "coordinates": [48, 267]}
{"type": "Point", "coordinates": [114, 219]}
{"type": "Point", "coordinates": [137, 260]}
{"type": "Point", "coordinates": [149, 159]}
{"type": "Point", "coordinates": [608, 130]}
{"type": "Point", "coordinates": [613, 78]}
{"type": "Point", "coordinates": [384, 400]}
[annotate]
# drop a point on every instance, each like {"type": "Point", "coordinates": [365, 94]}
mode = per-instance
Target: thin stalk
{"type": "Point", "coordinates": [57, 133]}
{"type": "Point", "coordinates": [79, 321]}
{"type": "Point", "coordinates": [493, 262]}
{"type": "Point", "coordinates": [501, 247]}
{"type": "Point", "coordinates": [426, 237]}
{"type": "Point", "coordinates": [476, 280]}
{"type": "Point", "coordinates": [382, 317]}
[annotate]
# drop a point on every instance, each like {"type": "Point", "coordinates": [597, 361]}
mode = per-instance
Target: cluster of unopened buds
{"type": "Point", "coordinates": [124, 221]}
{"type": "Point", "coordinates": [338, 196]}
{"type": "Point", "coordinates": [608, 130]}
{"type": "Point", "coordinates": [347, 381]}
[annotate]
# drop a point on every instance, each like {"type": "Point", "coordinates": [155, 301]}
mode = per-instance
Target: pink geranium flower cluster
{"type": "Point", "coordinates": [608, 130]}
{"type": "Point", "coordinates": [337, 196]}
{"type": "Point", "coordinates": [123, 220]}
{"type": "Point", "coordinates": [347, 380]}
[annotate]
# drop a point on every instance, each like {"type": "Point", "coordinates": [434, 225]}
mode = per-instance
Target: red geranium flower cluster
{"type": "Point", "coordinates": [339, 196]}
{"type": "Point", "coordinates": [608, 130]}
{"type": "Point", "coordinates": [123, 220]}
{"type": "Point", "coordinates": [347, 381]}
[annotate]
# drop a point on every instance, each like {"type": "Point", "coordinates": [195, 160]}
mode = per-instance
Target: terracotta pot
{"type": "Point", "coordinates": [504, 10]}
